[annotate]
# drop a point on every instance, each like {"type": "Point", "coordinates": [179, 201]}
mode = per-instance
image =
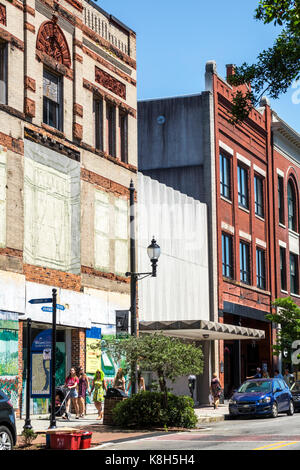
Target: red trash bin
{"type": "Point", "coordinates": [65, 441]}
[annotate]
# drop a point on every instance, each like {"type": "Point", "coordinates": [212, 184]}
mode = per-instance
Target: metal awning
{"type": "Point", "coordinates": [200, 330]}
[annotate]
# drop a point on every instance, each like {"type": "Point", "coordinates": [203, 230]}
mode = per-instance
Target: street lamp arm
{"type": "Point", "coordinates": [137, 275]}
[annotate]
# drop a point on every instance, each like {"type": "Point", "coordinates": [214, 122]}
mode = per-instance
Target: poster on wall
{"type": "Point", "coordinates": [93, 350]}
{"type": "Point", "coordinates": [41, 365]}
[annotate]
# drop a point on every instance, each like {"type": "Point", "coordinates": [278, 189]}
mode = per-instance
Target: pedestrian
{"type": "Point", "coordinates": [215, 390]}
{"type": "Point", "coordinates": [288, 378]}
{"type": "Point", "coordinates": [277, 374]}
{"type": "Point", "coordinates": [257, 375]}
{"type": "Point", "coordinates": [83, 388]}
{"type": "Point", "coordinates": [265, 374]}
{"type": "Point", "coordinates": [119, 380]}
{"type": "Point", "coordinates": [140, 382]}
{"type": "Point", "coordinates": [71, 384]}
{"type": "Point", "coordinates": [98, 387]}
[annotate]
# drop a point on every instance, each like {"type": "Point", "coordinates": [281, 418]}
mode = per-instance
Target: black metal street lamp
{"type": "Point", "coordinates": [153, 251]}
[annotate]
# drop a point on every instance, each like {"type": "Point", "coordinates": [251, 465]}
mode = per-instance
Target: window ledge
{"type": "Point", "coordinates": [225, 199]}
{"type": "Point", "coordinates": [281, 225]}
{"type": "Point", "coordinates": [260, 217]}
{"type": "Point", "coordinates": [295, 234]}
{"type": "Point", "coordinates": [295, 295]}
{"type": "Point", "coordinates": [284, 291]}
{"type": "Point", "coordinates": [244, 209]}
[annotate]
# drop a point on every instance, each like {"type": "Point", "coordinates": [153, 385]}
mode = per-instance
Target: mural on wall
{"type": "Point", "coordinates": [9, 331]}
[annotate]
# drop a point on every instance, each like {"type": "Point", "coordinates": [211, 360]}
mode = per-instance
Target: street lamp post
{"type": "Point", "coordinates": [153, 251]}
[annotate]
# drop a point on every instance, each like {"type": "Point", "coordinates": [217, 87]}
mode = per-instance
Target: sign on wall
{"type": "Point", "coordinates": [41, 365]}
{"type": "Point", "coordinates": [93, 350]}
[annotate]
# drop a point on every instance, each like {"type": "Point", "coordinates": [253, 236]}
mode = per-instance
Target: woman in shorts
{"type": "Point", "coordinates": [71, 384]}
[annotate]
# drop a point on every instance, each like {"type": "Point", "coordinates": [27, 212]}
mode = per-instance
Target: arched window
{"type": "Point", "coordinates": [292, 206]}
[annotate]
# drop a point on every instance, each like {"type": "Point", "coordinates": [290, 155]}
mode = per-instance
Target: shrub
{"type": "Point", "coordinates": [147, 409]}
{"type": "Point", "coordinates": [28, 436]}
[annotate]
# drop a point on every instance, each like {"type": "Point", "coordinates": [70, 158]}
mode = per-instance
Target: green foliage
{"type": "Point", "coordinates": [168, 357]}
{"type": "Point", "coordinates": [288, 317]}
{"type": "Point", "coordinates": [146, 409]}
{"type": "Point", "coordinates": [276, 67]}
{"type": "Point", "coordinates": [28, 436]}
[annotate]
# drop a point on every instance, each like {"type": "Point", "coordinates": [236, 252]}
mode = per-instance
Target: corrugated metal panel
{"type": "Point", "coordinates": [179, 224]}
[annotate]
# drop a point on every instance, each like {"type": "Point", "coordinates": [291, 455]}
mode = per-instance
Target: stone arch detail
{"type": "Point", "coordinates": [51, 41]}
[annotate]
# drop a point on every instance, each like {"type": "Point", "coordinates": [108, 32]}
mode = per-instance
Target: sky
{"type": "Point", "coordinates": [175, 39]}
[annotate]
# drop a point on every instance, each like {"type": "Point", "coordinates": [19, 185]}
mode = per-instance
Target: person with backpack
{"type": "Point", "coordinates": [215, 390]}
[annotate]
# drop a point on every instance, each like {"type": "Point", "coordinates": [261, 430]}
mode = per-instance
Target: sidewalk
{"type": "Point", "coordinates": [103, 433]}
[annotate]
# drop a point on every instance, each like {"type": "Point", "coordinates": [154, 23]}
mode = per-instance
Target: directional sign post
{"type": "Point", "coordinates": [53, 359]}
{"type": "Point", "coordinates": [53, 350]}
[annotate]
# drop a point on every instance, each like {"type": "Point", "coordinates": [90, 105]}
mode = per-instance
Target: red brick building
{"type": "Point", "coordinates": [245, 232]}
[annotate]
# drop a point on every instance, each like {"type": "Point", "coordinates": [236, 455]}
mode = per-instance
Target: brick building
{"type": "Point", "coordinates": [68, 152]}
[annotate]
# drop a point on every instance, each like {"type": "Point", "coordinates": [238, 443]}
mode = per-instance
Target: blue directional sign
{"type": "Point", "coordinates": [47, 309]}
{"type": "Point", "coordinates": [40, 301]}
{"type": "Point", "coordinates": [50, 309]}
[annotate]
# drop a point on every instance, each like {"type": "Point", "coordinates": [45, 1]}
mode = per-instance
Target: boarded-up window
{"type": "Point", "coordinates": [111, 233]}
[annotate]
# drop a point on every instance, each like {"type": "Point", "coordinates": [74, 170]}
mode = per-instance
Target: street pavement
{"type": "Point", "coordinates": [244, 433]}
{"type": "Point", "coordinates": [205, 414]}
{"type": "Point", "coordinates": [103, 434]}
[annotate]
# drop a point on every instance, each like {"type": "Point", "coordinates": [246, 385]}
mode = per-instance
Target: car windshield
{"type": "Point", "coordinates": [256, 387]}
{"type": "Point", "coordinates": [296, 387]}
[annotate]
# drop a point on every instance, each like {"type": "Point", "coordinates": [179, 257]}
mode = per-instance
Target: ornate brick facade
{"type": "Point", "coordinates": [51, 41]}
{"type": "Point", "coordinates": [110, 83]}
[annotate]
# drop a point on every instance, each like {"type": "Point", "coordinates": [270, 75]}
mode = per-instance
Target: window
{"type": "Point", "coordinates": [283, 268]}
{"type": "Point", "coordinates": [52, 102]}
{"type": "Point", "coordinates": [294, 274]}
{"type": "Point", "coordinates": [3, 73]}
{"type": "Point", "coordinates": [243, 186]}
{"type": "Point", "coordinates": [280, 200]}
{"type": "Point", "coordinates": [123, 125]}
{"type": "Point", "coordinates": [111, 128]}
{"type": "Point", "coordinates": [245, 262]}
{"type": "Point", "coordinates": [292, 206]}
{"type": "Point", "coordinates": [227, 256]}
{"type": "Point", "coordinates": [260, 269]}
{"type": "Point", "coordinates": [98, 109]}
{"type": "Point", "coordinates": [259, 195]}
{"type": "Point", "coordinates": [225, 176]}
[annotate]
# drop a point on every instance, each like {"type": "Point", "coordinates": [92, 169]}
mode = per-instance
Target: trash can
{"type": "Point", "coordinates": [112, 398]}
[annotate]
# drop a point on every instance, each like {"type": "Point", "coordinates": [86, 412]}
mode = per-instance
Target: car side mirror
{"type": "Point", "coordinates": [278, 390]}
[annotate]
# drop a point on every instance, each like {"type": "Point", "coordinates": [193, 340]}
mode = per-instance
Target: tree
{"type": "Point", "coordinates": [276, 67]}
{"type": "Point", "coordinates": [166, 356]}
{"type": "Point", "coordinates": [288, 317]}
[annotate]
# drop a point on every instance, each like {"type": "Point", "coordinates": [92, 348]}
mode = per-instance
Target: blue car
{"type": "Point", "coordinates": [264, 397]}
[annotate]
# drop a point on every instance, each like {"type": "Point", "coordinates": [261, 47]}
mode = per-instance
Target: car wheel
{"type": "Point", "coordinates": [291, 409]}
{"type": "Point", "coordinates": [274, 412]}
{"type": "Point", "coordinates": [6, 440]}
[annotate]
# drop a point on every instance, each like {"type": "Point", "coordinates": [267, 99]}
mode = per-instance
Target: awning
{"type": "Point", "coordinates": [200, 330]}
